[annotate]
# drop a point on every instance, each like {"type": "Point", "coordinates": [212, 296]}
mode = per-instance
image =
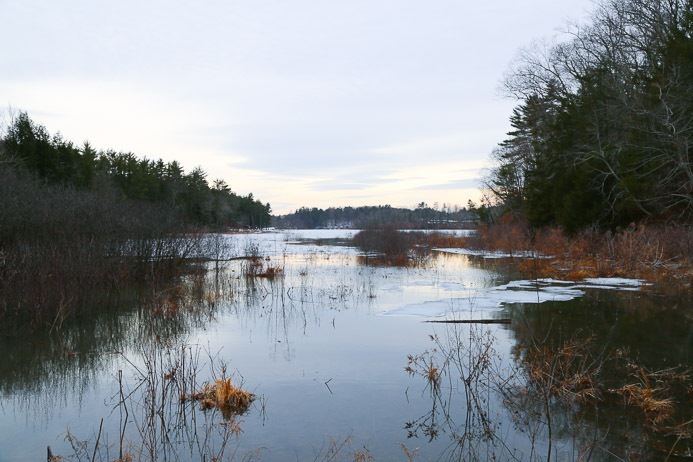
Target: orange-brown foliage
{"type": "Point", "coordinates": [656, 253]}
{"type": "Point", "coordinates": [439, 240]}
{"type": "Point", "coordinates": [509, 235]}
{"type": "Point", "coordinates": [257, 269]}
{"type": "Point", "coordinates": [224, 396]}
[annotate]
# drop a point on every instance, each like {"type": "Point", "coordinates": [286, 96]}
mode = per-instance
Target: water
{"type": "Point", "coordinates": [324, 348]}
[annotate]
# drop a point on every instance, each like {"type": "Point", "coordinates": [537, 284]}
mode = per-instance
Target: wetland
{"type": "Point", "coordinates": [342, 366]}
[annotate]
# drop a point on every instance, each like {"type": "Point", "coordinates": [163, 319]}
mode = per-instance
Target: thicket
{"type": "Point", "coordinates": [77, 226]}
{"type": "Point", "coordinates": [658, 253]}
{"type": "Point", "coordinates": [603, 132]}
{"type": "Point", "coordinates": [62, 249]}
{"type": "Point", "coordinates": [387, 240]}
{"type": "Point", "coordinates": [387, 245]}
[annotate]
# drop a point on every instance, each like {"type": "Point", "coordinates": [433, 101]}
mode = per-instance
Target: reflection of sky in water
{"type": "Point", "coordinates": [322, 345]}
{"type": "Point", "coordinates": [291, 242]}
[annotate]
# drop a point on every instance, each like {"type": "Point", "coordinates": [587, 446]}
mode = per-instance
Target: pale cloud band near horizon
{"type": "Point", "coordinates": [302, 103]}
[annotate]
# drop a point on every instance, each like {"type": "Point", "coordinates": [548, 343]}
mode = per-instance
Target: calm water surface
{"type": "Point", "coordinates": [324, 348]}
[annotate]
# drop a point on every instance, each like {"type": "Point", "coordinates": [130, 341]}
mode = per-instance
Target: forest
{"type": "Point", "coordinates": [30, 147]}
{"type": "Point", "coordinates": [603, 129]}
{"type": "Point", "coordinates": [421, 217]}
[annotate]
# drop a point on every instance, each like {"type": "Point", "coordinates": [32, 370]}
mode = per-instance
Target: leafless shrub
{"type": "Point", "coordinates": [385, 245]}
{"type": "Point", "coordinates": [63, 249]}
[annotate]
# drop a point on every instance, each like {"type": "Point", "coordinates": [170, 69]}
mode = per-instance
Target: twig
{"type": "Point", "coordinates": [473, 321]}
{"type": "Point", "coordinates": [96, 446]}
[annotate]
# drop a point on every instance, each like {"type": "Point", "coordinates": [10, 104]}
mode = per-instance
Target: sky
{"type": "Point", "coordinates": [312, 103]}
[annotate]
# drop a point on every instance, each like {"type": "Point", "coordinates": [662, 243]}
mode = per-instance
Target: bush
{"type": "Point", "coordinates": [386, 241]}
{"type": "Point", "coordinates": [61, 248]}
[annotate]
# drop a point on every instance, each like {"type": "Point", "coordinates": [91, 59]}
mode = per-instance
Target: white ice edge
{"type": "Point", "coordinates": [523, 291]}
{"type": "Point", "coordinates": [489, 254]}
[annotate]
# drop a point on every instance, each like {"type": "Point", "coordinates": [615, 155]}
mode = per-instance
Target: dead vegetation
{"type": "Point", "coordinates": [657, 253]}
{"type": "Point", "coordinates": [336, 449]}
{"type": "Point", "coordinates": [387, 246]}
{"type": "Point", "coordinates": [422, 365]}
{"type": "Point", "coordinates": [384, 246]}
{"type": "Point", "coordinates": [64, 250]}
{"type": "Point", "coordinates": [568, 371]}
{"type": "Point", "coordinates": [223, 395]}
{"type": "Point", "coordinates": [158, 400]}
{"type": "Point", "coordinates": [566, 396]}
{"type": "Point", "coordinates": [653, 392]}
{"type": "Point", "coordinates": [256, 267]}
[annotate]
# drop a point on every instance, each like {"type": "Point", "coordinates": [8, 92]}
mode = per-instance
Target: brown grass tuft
{"type": "Point", "coordinates": [256, 268]}
{"type": "Point", "coordinates": [223, 396]}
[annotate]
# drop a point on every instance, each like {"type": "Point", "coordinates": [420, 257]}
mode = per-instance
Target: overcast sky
{"type": "Point", "coordinates": [303, 102]}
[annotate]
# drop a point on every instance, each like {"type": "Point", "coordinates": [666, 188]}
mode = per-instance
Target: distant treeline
{"type": "Point", "coordinates": [603, 134]}
{"type": "Point", "coordinates": [422, 217]}
{"type": "Point", "coordinates": [30, 147]}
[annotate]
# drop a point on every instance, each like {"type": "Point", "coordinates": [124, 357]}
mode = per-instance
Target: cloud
{"type": "Point", "coordinates": [304, 102]}
{"type": "Point", "coordinates": [453, 185]}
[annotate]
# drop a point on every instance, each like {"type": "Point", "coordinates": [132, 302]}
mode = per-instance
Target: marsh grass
{"type": "Point", "coordinates": [557, 392]}
{"type": "Point", "coordinates": [156, 396]}
{"type": "Point", "coordinates": [343, 449]}
{"type": "Point", "coordinates": [659, 253]}
{"type": "Point", "coordinates": [223, 395]}
{"type": "Point", "coordinates": [261, 268]}
{"type": "Point", "coordinates": [653, 392]}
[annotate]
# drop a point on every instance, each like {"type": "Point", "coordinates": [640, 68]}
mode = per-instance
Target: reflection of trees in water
{"type": "Point", "coordinates": [461, 371]}
{"type": "Point", "coordinates": [645, 343]}
{"type": "Point", "coordinates": [593, 379]}
{"type": "Point", "coordinates": [493, 409]}
{"type": "Point", "coordinates": [154, 415]}
{"type": "Point", "coordinates": [42, 371]}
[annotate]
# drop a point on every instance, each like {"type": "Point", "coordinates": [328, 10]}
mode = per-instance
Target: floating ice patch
{"type": "Point", "coordinates": [450, 232]}
{"type": "Point", "coordinates": [605, 287]}
{"type": "Point", "coordinates": [433, 308]}
{"type": "Point", "coordinates": [489, 254]}
{"type": "Point", "coordinates": [451, 286]}
{"type": "Point", "coordinates": [617, 282]}
{"type": "Point", "coordinates": [523, 291]}
{"type": "Point", "coordinates": [295, 242]}
{"type": "Point", "coordinates": [553, 281]}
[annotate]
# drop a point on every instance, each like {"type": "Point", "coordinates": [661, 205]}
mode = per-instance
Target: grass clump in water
{"type": "Point", "coordinates": [223, 395]}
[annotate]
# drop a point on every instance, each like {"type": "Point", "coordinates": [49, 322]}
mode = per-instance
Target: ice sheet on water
{"type": "Point", "coordinates": [616, 281]}
{"type": "Point", "coordinates": [522, 291]}
{"type": "Point", "coordinates": [290, 242]}
{"type": "Point", "coordinates": [451, 232]}
{"type": "Point", "coordinates": [450, 286]}
{"type": "Point", "coordinates": [491, 254]}
{"type": "Point", "coordinates": [316, 234]}
{"type": "Point", "coordinates": [624, 288]}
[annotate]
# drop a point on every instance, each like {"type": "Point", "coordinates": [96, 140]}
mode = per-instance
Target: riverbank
{"type": "Point", "coordinates": [661, 254]}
